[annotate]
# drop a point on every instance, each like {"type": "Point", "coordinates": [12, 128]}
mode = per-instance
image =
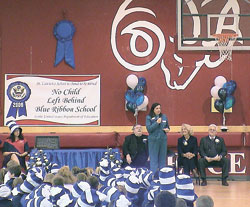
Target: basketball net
{"type": "Point", "coordinates": [225, 44]}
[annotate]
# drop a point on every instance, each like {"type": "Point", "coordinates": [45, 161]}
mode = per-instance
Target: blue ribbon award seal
{"type": "Point", "coordinates": [18, 92]}
{"type": "Point", "coordinates": [64, 32]}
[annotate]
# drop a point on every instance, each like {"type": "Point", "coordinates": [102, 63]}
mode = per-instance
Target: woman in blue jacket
{"type": "Point", "coordinates": [157, 126]}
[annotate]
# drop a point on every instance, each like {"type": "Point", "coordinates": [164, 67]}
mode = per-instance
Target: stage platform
{"type": "Point", "coordinates": [77, 157]}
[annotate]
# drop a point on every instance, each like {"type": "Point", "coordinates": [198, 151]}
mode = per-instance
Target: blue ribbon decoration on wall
{"type": "Point", "coordinates": [64, 31]}
{"type": "Point", "coordinates": [18, 92]}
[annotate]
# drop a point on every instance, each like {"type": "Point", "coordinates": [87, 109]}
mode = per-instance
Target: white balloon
{"type": "Point", "coordinates": [219, 81]}
{"type": "Point", "coordinates": [214, 92]}
{"type": "Point", "coordinates": [132, 81]}
{"type": "Point", "coordinates": [144, 104]}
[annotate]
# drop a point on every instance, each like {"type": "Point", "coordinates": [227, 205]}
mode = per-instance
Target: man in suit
{"type": "Point", "coordinates": [213, 152]}
{"type": "Point", "coordinates": [135, 150]}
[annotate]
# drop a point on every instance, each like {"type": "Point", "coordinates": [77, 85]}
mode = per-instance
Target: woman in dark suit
{"type": "Point", "coordinates": [188, 150]}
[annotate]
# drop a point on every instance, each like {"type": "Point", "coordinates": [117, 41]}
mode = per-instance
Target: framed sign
{"type": "Point", "coordinates": [52, 100]}
{"type": "Point", "coordinates": [47, 142]}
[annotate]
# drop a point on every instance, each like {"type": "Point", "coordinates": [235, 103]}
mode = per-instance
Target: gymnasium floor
{"type": "Point", "coordinates": [237, 194]}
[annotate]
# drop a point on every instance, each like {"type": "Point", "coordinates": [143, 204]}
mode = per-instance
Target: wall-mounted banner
{"type": "Point", "coordinates": [53, 100]}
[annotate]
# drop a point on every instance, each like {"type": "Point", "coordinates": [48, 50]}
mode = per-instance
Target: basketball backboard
{"type": "Point", "coordinates": [198, 20]}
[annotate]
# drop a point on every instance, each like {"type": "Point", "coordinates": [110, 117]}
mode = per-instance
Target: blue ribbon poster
{"type": "Point", "coordinates": [18, 93]}
{"type": "Point", "coordinates": [64, 31]}
{"type": "Point", "coordinates": [52, 100]}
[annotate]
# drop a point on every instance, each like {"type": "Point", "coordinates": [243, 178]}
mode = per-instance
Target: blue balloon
{"type": "Point", "coordinates": [222, 93]}
{"type": "Point", "coordinates": [142, 81]}
{"type": "Point", "coordinates": [230, 87]}
{"type": "Point", "coordinates": [230, 101]}
{"type": "Point", "coordinates": [130, 96]}
{"type": "Point", "coordinates": [139, 98]}
{"type": "Point", "coordinates": [219, 105]}
{"type": "Point", "coordinates": [233, 84]}
{"type": "Point", "coordinates": [131, 106]}
{"type": "Point", "coordinates": [139, 88]}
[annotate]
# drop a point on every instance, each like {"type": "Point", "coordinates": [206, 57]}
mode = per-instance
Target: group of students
{"type": "Point", "coordinates": [44, 183]}
{"type": "Point", "coordinates": [139, 150]}
{"type": "Point", "coordinates": [47, 185]}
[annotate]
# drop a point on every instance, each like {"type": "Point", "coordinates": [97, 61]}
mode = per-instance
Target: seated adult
{"type": "Point", "coordinates": [135, 150]}
{"type": "Point", "coordinates": [213, 153]}
{"type": "Point", "coordinates": [15, 146]}
{"type": "Point", "coordinates": [188, 150]}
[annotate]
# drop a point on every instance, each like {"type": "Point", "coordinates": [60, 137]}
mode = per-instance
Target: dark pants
{"type": "Point", "coordinates": [140, 161]}
{"type": "Point", "coordinates": [223, 163]}
{"type": "Point", "coordinates": [8, 158]}
{"type": "Point", "coordinates": [188, 164]}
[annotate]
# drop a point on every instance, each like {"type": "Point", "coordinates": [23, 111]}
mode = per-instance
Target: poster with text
{"type": "Point", "coordinates": [52, 100]}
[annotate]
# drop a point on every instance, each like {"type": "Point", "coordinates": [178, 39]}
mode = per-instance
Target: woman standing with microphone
{"type": "Point", "coordinates": [157, 127]}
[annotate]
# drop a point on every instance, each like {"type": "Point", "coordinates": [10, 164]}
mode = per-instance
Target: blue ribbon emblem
{"type": "Point", "coordinates": [64, 32]}
{"type": "Point", "coordinates": [18, 92]}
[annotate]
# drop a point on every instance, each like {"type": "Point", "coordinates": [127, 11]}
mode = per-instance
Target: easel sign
{"type": "Point", "coordinates": [47, 142]}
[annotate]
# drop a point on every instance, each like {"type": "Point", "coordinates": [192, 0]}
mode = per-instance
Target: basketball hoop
{"type": "Point", "coordinates": [225, 44]}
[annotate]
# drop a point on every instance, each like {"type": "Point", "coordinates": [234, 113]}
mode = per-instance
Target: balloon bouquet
{"type": "Point", "coordinates": [135, 99]}
{"type": "Point", "coordinates": [223, 93]}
